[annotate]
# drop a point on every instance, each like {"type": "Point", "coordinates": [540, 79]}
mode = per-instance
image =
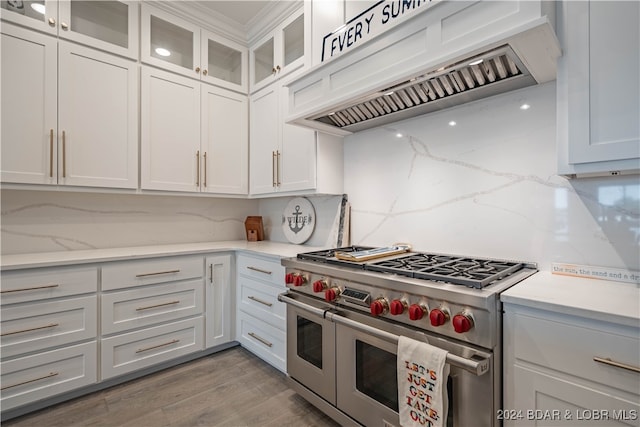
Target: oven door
{"type": "Point", "coordinates": [311, 356]}
{"type": "Point", "coordinates": [367, 388]}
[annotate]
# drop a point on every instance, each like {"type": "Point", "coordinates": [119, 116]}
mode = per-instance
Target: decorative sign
{"type": "Point", "coordinates": [298, 220]}
{"type": "Point", "coordinates": [373, 21]}
{"type": "Point", "coordinates": [591, 272]}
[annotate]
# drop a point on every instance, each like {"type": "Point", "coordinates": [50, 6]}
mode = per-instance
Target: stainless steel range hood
{"type": "Point", "coordinates": [445, 56]}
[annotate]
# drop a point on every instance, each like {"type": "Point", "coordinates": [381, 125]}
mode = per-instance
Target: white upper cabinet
{"type": "Point", "coordinates": [285, 49]}
{"type": "Point", "coordinates": [69, 113]}
{"type": "Point", "coordinates": [598, 88]}
{"type": "Point", "coordinates": [182, 47]}
{"type": "Point", "coordinates": [107, 25]}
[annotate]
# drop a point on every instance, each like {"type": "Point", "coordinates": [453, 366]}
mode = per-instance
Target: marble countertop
{"type": "Point", "coordinates": [49, 259]}
{"type": "Point", "coordinates": [605, 300]}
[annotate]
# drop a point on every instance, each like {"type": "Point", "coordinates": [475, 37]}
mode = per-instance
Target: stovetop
{"type": "Point", "coordinates": [467, 271]}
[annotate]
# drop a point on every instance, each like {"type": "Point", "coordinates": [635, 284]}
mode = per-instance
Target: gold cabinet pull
{"type": "Point", "coordinates": [64, 154]}
{"type": "Point", "coordinates": [205, 169]}
{"type": "Point", "coordinates": [51, 153]}
{"type": "Point", "coordinates": [141, 350]}
{"type": "Point", "coordinates": [205, 72]}
{"type": "Point", "coordinates": [37, 328]}
{"type": "Point", "coordinates": [278, 168]}
{"type": "Point", "coordinates": [613, 363]}
{"type": "Point", "coordinates": [273, 168]}
{"type": "Point", "coordinates": [211, 273]}
{"type": "Point", "coordinates": [197, 69]}
{"type": "Point", "coordinates": [258, 300]}
{"type": "Point", "coordinates": [157, 305]}
{"type": "Point", "coordinates": [157, 273]}
{"type": "Point", "coordinates": [51, 374]}
{"type": "Point", "coordinates": [52, 22]}
{"type": "Point", "coordinates": [64, 26]}
{"type": "Point", "coordinates": [262, 340]}
{"type": "Point", "coordinates": [198, 168]}
{"type": "Point", "coordinates": [33, 288]}
{"type": "Point", "coordinates": [259, 270]}
{"type": "Point", "coordinates": [278, 68]}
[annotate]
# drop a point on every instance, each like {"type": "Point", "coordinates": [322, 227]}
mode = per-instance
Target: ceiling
{"type": "Point", "coordinates": [240, 11]}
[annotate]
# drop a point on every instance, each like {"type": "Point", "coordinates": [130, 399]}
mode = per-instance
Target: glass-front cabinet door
{"type": "Point", "coordinates": [224, 62]}
{"type": "Point", "coordinates": [277, 54]}
{"type": "Point", "coordinates": [107, 25]}
{"type": "Point", "coordinates": [41, 15]}
{"type": "Point", "coordinates": [169, 42]}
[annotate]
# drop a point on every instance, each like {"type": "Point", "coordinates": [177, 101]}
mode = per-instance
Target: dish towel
{"type": "Point", "coordinates": [422, 384]}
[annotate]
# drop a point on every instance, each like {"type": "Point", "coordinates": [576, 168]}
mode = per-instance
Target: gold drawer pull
{"type": "Point", "coordinates": [141, 350]}
{"type": "Point", "coordinates": [268, 304]}
{"type": "Point", "coordinates": [51, 374]}
{"type": "Point", "coordinates": [610, 362]}
{"type": "Point", "coordinates": [37, 328]}
{"type": "Point", "coordinates": [259, 270]}
{"type": "Point", "coordinates": [158, 273]}
{"type": "Point", "coordinates": [34, 288]}
{"type": "Point", "coordinates": [157, 305]}
{"type": "Point", "coordinates": [262, 340]}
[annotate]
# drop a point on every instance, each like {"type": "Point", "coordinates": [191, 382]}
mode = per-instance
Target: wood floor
{"type": "Point", "coordinates": [230, 388]}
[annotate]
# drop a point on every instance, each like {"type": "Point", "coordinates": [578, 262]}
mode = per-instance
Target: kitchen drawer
{"type": "Point", "coordinates": [34, 327]}
{"type": "Point", "coordinates": [127, 274]}
{"type": "Point", "coordinates": [262, 339]}
{"type": "Point", "coordinates": [261, 300]}
{"type": "Point", "coordinates": [43, 375]}
{"type": "Point", "coordinates": [137, 350]}
{"type": "Point", "coordinates": [261, 268]}
{"type": "Point", "coordinates": [570, 349]}
{"type": "Point", "coordinates": [45, 283]}
{"type": "Point", "coordinates": [149, 305]}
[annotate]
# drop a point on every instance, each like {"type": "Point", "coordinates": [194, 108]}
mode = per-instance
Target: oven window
{"type": "Point", "coordinates": [309, 339]}
{"type": "Point", "coordinates": [376, 374]}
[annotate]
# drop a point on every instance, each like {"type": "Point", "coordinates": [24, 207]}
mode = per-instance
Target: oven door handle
{"type": "Point", "coordinates": [285, 298]}
{"type": "Point", "coordinates": [477, 367]}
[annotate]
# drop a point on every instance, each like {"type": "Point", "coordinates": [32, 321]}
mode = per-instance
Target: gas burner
{"type": "Point", "coordinates": [329, 254]}
{"type": "Point", "coordinates": [476, 273]}
{"type": "Point", "coordinates": [407, 265]}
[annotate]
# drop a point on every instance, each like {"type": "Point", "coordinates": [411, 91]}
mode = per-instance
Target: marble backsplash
{"type": "Point", "coordinates": [49, 221]}
{"type": "Point", "coordinates": [488, 187]}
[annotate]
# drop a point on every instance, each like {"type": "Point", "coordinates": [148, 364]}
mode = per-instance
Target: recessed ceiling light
{"type": "Point", "coordinates": [38, 7]}
{"type": "Point", "coordinates": [162, 51]}
{"type": "Point", "coordinates": [525, 106]}
{"type": "Point", "coordinates": [452, 123]}
{"type": "Point", "coordinates": [399, 135]}
{"type": "Point", "coordinates": [476, 62]}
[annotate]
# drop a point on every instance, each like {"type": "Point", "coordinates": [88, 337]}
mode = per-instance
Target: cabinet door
{"type": "Point", "coordinates": [170, 131]}
{"type": "Point", "coordinates": [224, 62]}
{"type": "Point", "coordinates": [107, 25]}
{"type": "Point", "coordinates": [169, 42]}
{"type": "Point", "coordinates": [297, 167]}
{"type": "Point", "coordinates": [225, 141]}
{"type": "Point", "coordinates": [262, 66]}
{"type": "Point", "coordinates": [293, 46]}
{"type": "Point", "coordinates": [39, 15]}
{"type": "Point", "coordinates": [264, 134]}
{"type": "Point", "coordinates": [98, 112]}
{"type": "Point", "coordinates": [218, 298]}
{"type": "Point", "coordinates": [603, 60]}
{"type": "Point", "coordinates": [29, 114]}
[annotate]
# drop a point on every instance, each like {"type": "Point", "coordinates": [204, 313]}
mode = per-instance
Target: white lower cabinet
{"type": "Point", "coordinates": [569, 370]}
{"type": "Point", "coordinates": [261, 318]}
{"type": "Point", "coordinates": [31, 378]}
{"type": "Point", "coordinates": [219, 300]}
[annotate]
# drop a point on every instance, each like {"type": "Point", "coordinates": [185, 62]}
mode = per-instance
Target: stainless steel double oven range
{"type": "Point", "coordinates": [344, 319]}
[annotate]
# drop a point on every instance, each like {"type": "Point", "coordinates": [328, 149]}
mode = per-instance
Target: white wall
{"type": "Point", "coordinates": [488, 187]}
{"type": "Point", "coordinates": [49, 221]}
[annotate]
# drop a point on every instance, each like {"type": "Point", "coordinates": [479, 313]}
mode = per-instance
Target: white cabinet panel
{"type": "Point", "coordinates": [261, 300]}
{"type": "Point", "coordinates": [170, 132]}
{"type": "Point", "coordinates": [98, 113]}
{"type": "Point", "coordinates": [264, 136]}
{"type": "Point", "coordinates": [29, 114]}
{"type": "Point", "coordinates": [265, 341]}
{"type": "Point", "coordinates": [43, 375]}
{"type": "Point", "coordinates": [126, 274]}
{"type": "Point", "coordinates": [220, 302]}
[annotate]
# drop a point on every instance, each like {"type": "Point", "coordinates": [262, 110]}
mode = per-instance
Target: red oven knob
{"type": "Point", "coordinates": [438, 317]}
{"type": "Point", "coordinates": [416, 311]}
{"type": "Point", "coordinates": [298, 280]}
{"type": "Point", "coordinates": [379, 306]}
{"type": "Point", "coordinates": [462, 323]}
{"type": "Point", "coordinates": [319, 285]}
{"type": "Point", "coordinates": [397, 307]}
{"type": "Point", "coordinates": [288, 278]}
{"type": "Point", "coordinates": [331, 294]}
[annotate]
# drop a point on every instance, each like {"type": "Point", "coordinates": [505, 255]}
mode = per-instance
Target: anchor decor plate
{"type": "Point", "coordinates": [298, 220]}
